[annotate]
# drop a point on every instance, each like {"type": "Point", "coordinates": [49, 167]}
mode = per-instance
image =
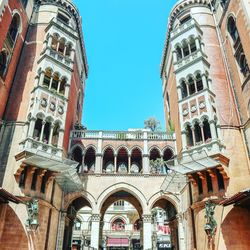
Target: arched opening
{"type": "Point", "coordinates": [68, 49]}
{"type": "Point", "coordinates": [61, 46]}
{"type": "Point", "coordinates": [154, 154]}
{"type": "Point", "coordinates": [62, 86]}
{"type": "Point", "coordinates": [199, 83]}
{"type": "Point", "coordinates": [55, 135]}
{"type": "Point", "coordinates": [55, 82]}
{"type": "Point", "coordinates": [121, 224]}
{"type": "Point", "coordinates": [168, 156]}
{"type": "Point", "coordinates": [47, 77]}
{"type": "Point", "coordinates": [89, 160]}
{"type": "Point", "coordinates": [3, 62]}
{"type": "Point", "coordinates": [165, 224]}
{"type": "Point", "coordinates": [136, 161]}
{"type": "Point", "coordinates": [185, 49]}
{"type": "Point", "coordinates": [197, 132]}
{"type": "Point", "coordinates": [46, 132]}
{"type": "Point", "coordinates": [207, 131]}
{"type": "Point", "coordinates": [189, 136]}
{"type": "Point", "coordinates": [243, 64]}
{"type": "Point", "coordinates": [77, 156]}
{"type": "Point", "coordinates": [54, 42]}
{"type": "Point", "coordinates": [191, 86]}
{"type": "Point", "coordinates": [13, 30]}
{"type": "Point", "coordinates": [192, 45]}
{"type": "Point", "coordinates": [37, 129]}
{"type": "Point", "coordinates": [77, 230]}
{"type": "Point", "coordinates": [232, 29]}
{"type": "Point", "coordinates": [179, 53]}
{"type": "Point", "coordinates": [108, 161]}
{"type": "Point", "coordinates": [184, 91]}
{"type": "Point", "coordinates": [122, 161]}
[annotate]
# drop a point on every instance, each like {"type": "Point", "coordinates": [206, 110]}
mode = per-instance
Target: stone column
{"type": "Point", "coordinates": [174, 56]}
{"type": "Point", "coordinates": [189, 48]}
{"type": "Point", "coordinates": [193, 135]}
{"type": "Point", "coordinates": [51, 133]}
{"type": "Point", "coordinates": [187, 89]}
{"type": "Point", "coordinates": [213, 130]}
{"type": "Point", "coordinates": [204, 81]}
{"type": "Point", "coordinates": [31, 127]}
{"type": "Point", "coordinates": [50, 83]}
{"type": "Point", "coordinates": [202, 132]}
{"type": "Point", "coordinates": [181, 234]}
{"type": "Point", "coordinates": [202, 47]}
{"type": "Point", "coordinates": [209, 82]}
{"type": "Point", "coordinates": [146, 164]}
{"type": "Point", "coordinates": [98, 163]}
{"type": "Point", "coordinates": [58, 87]}
{"type": "Point", "coordinates": [40, 82]}
{"type": "Point", "coordinates": [82, 166]}
{"type": "Point", "coordinates": [147, 231]}
{"type": "Point", "coordinates": [60, 231]}
{"type": "Point", "coordinates": [179, 93]}
{"type": "Point", "coordinates": [41, 134]}
{"type": "Point", "coordinates": [115, 163]}
{"type": "Point", "coordinates": [129, 163]}
{"type": "Point", "coordinates": [184, 139]}
{"type": "Point", "coordinates": [219, 132]}
{"type": "Point", "coordinates": [72, 54]}
{"type": "Point", "coordinates": [182, 53]}
{"type": "Point", "coordinates": [197, 43]}
{"type": "Point", "coordinates": [95, 231]}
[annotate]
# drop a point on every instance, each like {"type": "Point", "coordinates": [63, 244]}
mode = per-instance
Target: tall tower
{"type": "Point", "coordinates": [44, 103]}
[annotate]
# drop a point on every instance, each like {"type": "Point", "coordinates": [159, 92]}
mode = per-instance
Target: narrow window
{"type": "Point", "coordinates": [190, 141]}
{"type": "Point", "coordinates": [46, 132]}
{"type": "Point", "coordinates": [34, 180]}
{"type": "Point", "coordinates": [192, 45]}
{"type": "Point", "coordinates": [220, 180]}
{"type": "Point", "coordinates": [200, 187]}
{"type": "Point", "coordinates": [191, 86]}
{"type": "Point", "coordinates": [43, 184]}
{"type": "Point", "coordinates": [197, 132]}
{"type": "Point", "coordinates": [22, 178]}
{"type": "Point", "coordinates": [209, 182]}
{"type": "Point", "coordinates": [3, 62]}
{"type": "Point", "coordinates": [207, 131]}
{"type": "Point", "coordinates": [55, 81]}
{"type": "Point", "coordinates": [37, 129]}
{"type": "Point", "coordinates": [199, 83]}
{"type": "Point", "coordinates": [13, 30]}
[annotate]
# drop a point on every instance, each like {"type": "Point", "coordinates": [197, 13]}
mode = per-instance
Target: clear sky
{"type": "Point", "coordinates": [124, 41]}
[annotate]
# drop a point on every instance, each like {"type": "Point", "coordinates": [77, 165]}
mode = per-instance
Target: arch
{"type": "Point", "coordinates": [168, 153]}
{"type": "Point", "coordinates": [122, 159]}
{"type": "Point", "coordinates": [89, 159]}
{"type": "Point", "coordinates": [136, 160]}
{"type": "Point", "coordinates": [118, 224]}
{"type": "Point", "coordinates": [14, 28]}
{"type": "Point", "coordinates": [154, 153]}
{"type": "Point", "coordinates": [77, 155]}
{"type": "Point", "coordinates": [232, 28]}
{"type": "Point", "coordinates": [61, 46]}
{"type": "Point", "coordinates": [129, 188]}
{"type": "Point", "coordinates": [108, 159]}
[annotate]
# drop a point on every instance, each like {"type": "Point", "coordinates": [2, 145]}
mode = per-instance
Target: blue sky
{"type": "Point", "coordinates": [124, 41]}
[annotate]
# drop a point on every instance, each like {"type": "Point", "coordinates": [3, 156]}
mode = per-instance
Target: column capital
{"type": "Point", "coordinates": [95, 217]}
{"type": "Point", "coordinates": [98, 155]}
{"type": "Point", "coordinates": [147, 218]}
{"type": "Point", "coordinates": [145, 155]}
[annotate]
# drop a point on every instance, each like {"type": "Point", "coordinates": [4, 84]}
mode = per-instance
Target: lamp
{"type": "Point", "coordinates": [211, 225]}
{"type": "Point", "coordinates": [32, 209]}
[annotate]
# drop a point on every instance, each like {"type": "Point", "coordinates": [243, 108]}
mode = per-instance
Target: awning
{"type": "Point", "coordinates": [191, 163]}
{"type": "Point", "coordinates": [65, 170]}
{"type": "Point", "coordinates": [242, 198]}
{"type": "Point", "coordinates": [5, 197]}
{"type": "Point", "coordinates": [118, 242]}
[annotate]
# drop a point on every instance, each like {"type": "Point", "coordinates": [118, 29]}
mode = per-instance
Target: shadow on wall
{"type": "Point", "coordinates": [236, 229]}
{"type": "Point", "coordinates": [13, 234]}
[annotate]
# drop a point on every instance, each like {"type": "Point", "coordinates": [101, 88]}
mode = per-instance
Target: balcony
{"type": "Point", "coordinates": [190, 27]}
{"type": "Point", "coordinates": [59, 57]}
{"type": "Point", "coordinates": [122, 135]}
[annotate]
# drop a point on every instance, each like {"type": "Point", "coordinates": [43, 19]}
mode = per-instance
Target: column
{"type": "Point", "coordinates": [82, 166]}
{"type": "Point", "coordinates": [31, 127]}
{"type": "Point", "coordinates": [189, 48]}
{"type": "Point", "coordinates": [204, 81]}
{"type": "Point", "coordinates": [41, 134]}
{"type": "Point", "coordinates": [195, 86]}
{"type": "Point", "coordinates": [64, 51]}
{"type": "Point", "coordinates": [179, 93]}
{"type": "Point", "coordinates": [60, 231]}
{"type": "Point", "coordinates": [182, 53]}
{"type": "Point", "coordinates": [202, 133]}
{"type": "Point", "coordinates": [209, 82]}
{"type": "Point", "coordinates": [95, 230]}
{"type": "Point", "coordinates": [40, 82]}
{"type": "Point", "coordinates": [145, 164]}
{"type": "Point", "coordinates": [174, 56]}
{"type": "Point", "coordinates": [197, 43]}
{"type": "Point", "coordinates": [60, 138]}
{"type": "Point", "coordinates": [147, 231]}
{"type": "Point", "coordinates": [51, 133]}
{"type": "Point", "coordinates": [98, 163]}
{"type": "Point", "coordinates": [67, 90]}
{"type": "Point", "coordinates": [203, 47]}
{"type": "Point", "coordinates": [115, 163]}
{"type": "Point", "coordinates": [187, 89]}
{"type": "Point", "coordinates": [72, 54]}
{"type": "Point", "coordinates": [181, 234]}
{"type": "Point", "coordinates": [213, 130]}
{"type": "Point", "coordinates": [58, 87]}
{"type": "Point", "coordinates": [50, 83]}
{"type": "Point", "coordinates": [184, 139]}
{"type": "Point", "coordinates": [49, 41]}
{"type": "Point", "coordinates": [219, 132]}
{"type": "Point", "coordinates": [129, 163]}
{"type": "Point", "coordinates": [193, 135]}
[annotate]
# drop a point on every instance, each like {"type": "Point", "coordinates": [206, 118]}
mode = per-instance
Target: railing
{"type": "Point", "coordinates": [64, 26]}
{"type": "Point", "coordinates": [59, 57]}
{"type": "Point", "coordinates": [183, 27]}
{"type": "Point", "coordinates": [122, 135]}
{"type": "Point", "coordinates": [122, 232]}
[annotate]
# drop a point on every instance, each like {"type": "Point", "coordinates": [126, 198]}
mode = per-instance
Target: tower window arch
{"type": "Point", "coordinates": [197, 132]}
{"type": "Point", "coordinates": [232, 29]}
{"type": "Point", "coordinates": [3, 62]}
{"type": "Point", "coordinates": [191, 86]}
{"type": "Point", "coordinates": [184, 91]}
{"type": "Point", "coordinates": [13, 30]}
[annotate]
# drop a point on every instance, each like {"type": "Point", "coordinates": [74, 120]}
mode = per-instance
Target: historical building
{"type": "Point", "coordinates": [205, 76]}
{"type": "Point", "coordinates": [65, 187]}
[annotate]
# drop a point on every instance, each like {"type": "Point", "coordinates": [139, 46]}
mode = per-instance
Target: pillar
{"type": "Point", "coordinates": [51, 133]}
{"type": "Point", "coordinates": [197, 43]}
{"type": "Point", "coordinates": [193, 135]}
{"type": "Point", "coordinates": [184, 139]}
{"type": "Point", "coordinates": [95, 231]}
{"type": "Point", "coordinates": [147, 231]}
{"type": "Point", "coordinates": [115, 163]}
{"type": "Point", "coordinates": [204, 81]}
{"type": "Point", "coordinates": [41, 134]}
{"type": "Point", "coordinates": [182, 53]}
{"type": "Point", "coordinates": [60, 231]}
{"type": "Point", "coordinates": [59, 85]}
{"type": "Point", "coordinates": [98, 163]}
{"type": "Point", "coordinates": [146, 164]}
{"type": "Point", "coordinates": [203, 47]}
{"type": "Point", "coordinates": [82, 166]}
{"type": "Point", "coordinates": [40, 82]}
{"type": "Point", "coordinates": [213, 130]}
{"type": "Point", "coordinates": [31, 127]}
{"type": "Point", "coordinates": [219, 132]}
{"type": "Point", "coordinates": [129, 163]}
{"type": "Point", "coordinates": [174, 56]}
{"type": "Point", "coordinates": [72, 54]}
{"type": "Point", "coordinates": [189, 48]}
{"type": "Point", "coordinates": [209, 82]}
{"type": "Point", "coordinates": [179, 93]}
{"type": "Point", "coordinates": [181, 235]}
{"type": "Point", "coordinates": [202, 133]}
{"type": "Point", "coordinates": [60, 138]}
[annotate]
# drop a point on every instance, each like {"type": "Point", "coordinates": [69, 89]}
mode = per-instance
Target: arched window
{"type": "Point", "coordinates": [243, 64]}
{"type": "Point", "coordinates": [77, 156]}
{"type": "Point", "coordinates": [179, 53]}
{"type": "Point", "coordinates": [191, 86]}
{"type": "Point", "coordinates": [46, 132]}
{"type": "Point", "coordinates": [154, 154]}
{"type": "Point", "coordinates": [61, 45]}
{"type": "Point", "coordinates": [54, 42]}
{"type": "Point", "coordinates": [192, 45]}
{"type": "Point", "coordinates": [13, 30]}
{"type": "Point", "coordinates": [62, 86]}
{"type": "Point", "coordinates": [55, 81]}
{"type": "Point", "coordinates": [47, 77]}
{"type": "Point", "coordinates": [68, 49]}
{"type": "Point", "coordinates": [199, 83]}
{"type": "Point", "coordinates": [89, 160]}
{"type": "Point", "coordinates": [122, 160]}
{"type": "Point", "coordinates": [207, 131]}
{"type": "Point", "coordinates": [108, 160]}
{"type": "Point", "coordinates": [185, 48]}
{"type": "Point", "coordinates": [189, 135]}
{"type": "Point", "coordinates": [55, 135]}
{"type": "Point", "coordinates": [118, 225]}
{"type": "Point", "coordinates": [232, 29]}
{"type": "Point", "coordinates": [136, 159]}
{"type": "Point", "coordinates": [3, 62]}
{"type": "Point", "coordinates": [184, 91]}
{"type": "Point", "coordinates": [37, 129]}
{"type": "Point", "coordinates": [197, 132]}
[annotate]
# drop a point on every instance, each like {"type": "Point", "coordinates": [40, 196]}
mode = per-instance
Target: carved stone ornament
{"type": "Point", "coordinates": [147, 218]}
{"type": "Point", "coordinates": [44, 103]}
{"type": "Point", "coordinates": [193, 109]}
{"type": "Point", "coordinates": [185, 112]}
{"type": "Point", "coordinates": [95, 217]}
{"type": "Point", "coordinates": [60, 110]}
{"type": "Point", "coordinates": [202, 105]}
{"type": "Point", "coordinates": [52, 106]}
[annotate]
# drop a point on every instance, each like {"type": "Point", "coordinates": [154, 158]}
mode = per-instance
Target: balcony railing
{"type": "Point", "coordinates": [59, 57]}
{"type": "Point", "coordinates": [122, 135]}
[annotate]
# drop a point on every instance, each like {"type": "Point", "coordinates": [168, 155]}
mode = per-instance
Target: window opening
{"type": "Point", "coordinates": [34, 180]}
{"type": "Point", "coordinates": [220, 180]}
{"type": "Point", "coordinates": [22, 178]}
{"type": "Point", "coordinates": [209, 182]}
{"type": "Point", "coordinates": [37, 129]}
{"type": "Point", "coordinates": [197, 132]}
